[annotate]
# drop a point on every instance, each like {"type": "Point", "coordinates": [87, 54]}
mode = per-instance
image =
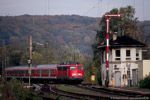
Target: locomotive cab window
{"type": "Point", "coordinates": [64, 68]}
{"type": "Point", "coordinates": [80, 68]}
{"type": "Point", "coordinates": [72, 68]}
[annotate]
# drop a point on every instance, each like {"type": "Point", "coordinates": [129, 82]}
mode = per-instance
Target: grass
{"type": "Point", "coordinates": [133, 87]}
{"type": "Point", "coordinates": [136, 87]}
{"type": "Point", "coordinates": [72, 89]}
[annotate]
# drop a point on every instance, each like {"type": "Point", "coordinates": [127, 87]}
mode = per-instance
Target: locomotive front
{"type": "Point", "coordinates": [76, 72]}
{"type": "Point", "coordinates": [71, 72]}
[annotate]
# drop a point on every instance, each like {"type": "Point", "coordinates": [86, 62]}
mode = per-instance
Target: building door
{"type": "Point", "coordinates": [117, 78]}
{"type": "Point", "coordinates": [134, 77]}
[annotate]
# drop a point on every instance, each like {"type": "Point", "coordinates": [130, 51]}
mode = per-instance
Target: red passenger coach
{"type": "Point", "coordinates": [50, 72]}
{"type": "Point", "coordinates": [39, 72]}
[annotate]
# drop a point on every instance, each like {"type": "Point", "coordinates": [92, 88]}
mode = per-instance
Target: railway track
{"type": "Point", "coordinates": [111, 92]}
{"type": "Point", "coordinates": [74, 95]}
{"type": "Point", "coordinates": [92, 94]}
{"type": "Point", "coordinates": [125, 93]}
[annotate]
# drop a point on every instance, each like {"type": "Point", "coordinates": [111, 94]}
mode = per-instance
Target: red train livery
{"type": "Point", "coordinates": [50, 72]}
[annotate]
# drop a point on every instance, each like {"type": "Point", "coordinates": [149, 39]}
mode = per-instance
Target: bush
{"type": "Point", "coordinates": [145, 83]}
{"type": "Point", "coordinates": [12, 89]}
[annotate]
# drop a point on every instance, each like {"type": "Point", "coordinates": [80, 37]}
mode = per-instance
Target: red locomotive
{"type": "Point", "coordinates": [71, 72]}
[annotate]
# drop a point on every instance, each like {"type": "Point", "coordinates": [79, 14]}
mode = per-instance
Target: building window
{"type": "Point", "coordinates": [128, 55]}
{"type": "Point", "coordinates": [117, 54]}
{"type": "Point", "coordinates": [137, 54]}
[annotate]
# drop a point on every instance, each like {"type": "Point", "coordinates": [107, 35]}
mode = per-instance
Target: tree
{"type": "Point", "coordinates": [15, 57]}
{"type": "Point", "coordinates": [125, 25]}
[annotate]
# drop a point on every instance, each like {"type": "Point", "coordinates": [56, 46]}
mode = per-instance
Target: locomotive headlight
{"type": "Point", "coordinates": [79, 74]}
{"type": "Point", "coordinates": [74, 74]}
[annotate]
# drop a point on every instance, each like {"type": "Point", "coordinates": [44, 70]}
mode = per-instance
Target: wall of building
{"type": "Point", "coordinates": [144, 69]}
{"type": "Point", "coordinates": [122, 66]}
{"type": "Point", "coordinates": [140, 70]}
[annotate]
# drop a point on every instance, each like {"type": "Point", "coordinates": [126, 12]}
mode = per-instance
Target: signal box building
{"type": "Point", "coordinates": [124, 55]}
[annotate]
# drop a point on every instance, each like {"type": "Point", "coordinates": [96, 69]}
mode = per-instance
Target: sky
{"type": "Point", "coordinates": [91, 8]}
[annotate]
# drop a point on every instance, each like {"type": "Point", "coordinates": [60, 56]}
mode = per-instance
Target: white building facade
{"type": "Point", "coordinates": [124, 55]}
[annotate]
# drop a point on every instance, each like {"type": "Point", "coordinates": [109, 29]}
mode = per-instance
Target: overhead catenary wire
{"type": "Point", "coordinates": [48, 7]}
{"type": "Point", "coordinates": [143, 11]}
{"type": "Point", "coordinates": [93, 7]}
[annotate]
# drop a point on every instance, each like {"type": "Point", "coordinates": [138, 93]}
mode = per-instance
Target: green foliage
{"type": "Point", "coordinates": [29, 96]}
{"type": "Point", "coordinates": [87, 73]}
{"type": "Point", "coordinates": [13, 90]}
{"type": "Point", "coordinates": [72, 89]}
{"type": "Point", "coordinates": [145, 83]}
{"type": "Point", "coordinates": [15, 57]}
{"type": "Point", "coordinates": [125, 25]}
{"type": "Point", "coordinates": [99, 81]}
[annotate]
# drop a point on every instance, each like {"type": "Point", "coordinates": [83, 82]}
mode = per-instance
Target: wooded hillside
{"type": "Point", "coordinates": [57, 30]}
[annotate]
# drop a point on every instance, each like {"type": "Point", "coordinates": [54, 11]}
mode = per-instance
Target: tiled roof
{"type": "Point", "coordinates": [123, 41]}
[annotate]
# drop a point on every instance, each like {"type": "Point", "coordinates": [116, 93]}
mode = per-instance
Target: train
{"type": "Point", "coordinates": [65, 72]}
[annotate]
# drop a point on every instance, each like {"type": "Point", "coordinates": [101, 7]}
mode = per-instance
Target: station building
{"type": "Point", "coordinates": [125, 53]}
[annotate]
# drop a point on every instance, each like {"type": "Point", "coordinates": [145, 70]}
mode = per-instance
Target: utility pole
{"type": "Point", "coordinates": [30, 60]}
{"type": "Point", "coordinates": [3, 57]}
{"type": "Point", "coordinates": [107, 48]}
{"type": "Point", "coordinates": [75, 47]}
{"type": "Point", "coordinates": [46, 52]}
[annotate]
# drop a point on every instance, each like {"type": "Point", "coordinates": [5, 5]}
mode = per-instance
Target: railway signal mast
{"type": "Point", "coordinates": [107, 48]}
{"type": "Point", "coordinates": [30, 60]}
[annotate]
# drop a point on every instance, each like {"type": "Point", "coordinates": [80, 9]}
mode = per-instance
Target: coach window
{"type": "Point", "coordinates": [80, 68]}
{"type": "Point", "coordinates": [26, 71]}
{"type": "Point", "coordinates": [52, 71]}
{"type": "Point", "coordinates": [22, 72]}
{"type": "Point", "coordinates": [45, 71]}
{"type": "Point", "coordinates": [15, 72]}
{"type": "Point", "coordinates": [72, 68]}
{"type": "Point", "coordinates": [32, 72]}
{"type": "Point", "coordinates": [19, 72]}
{"type": "Point", "coordinates": [10, 72]}
{"type": "Point", "coordinates": [37, 71]}
{"type": "Point", "coordinates": [59, 68]}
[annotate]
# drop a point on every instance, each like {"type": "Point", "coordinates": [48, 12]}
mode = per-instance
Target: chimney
{"type": "Point", "coordinates": [114, 37]}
